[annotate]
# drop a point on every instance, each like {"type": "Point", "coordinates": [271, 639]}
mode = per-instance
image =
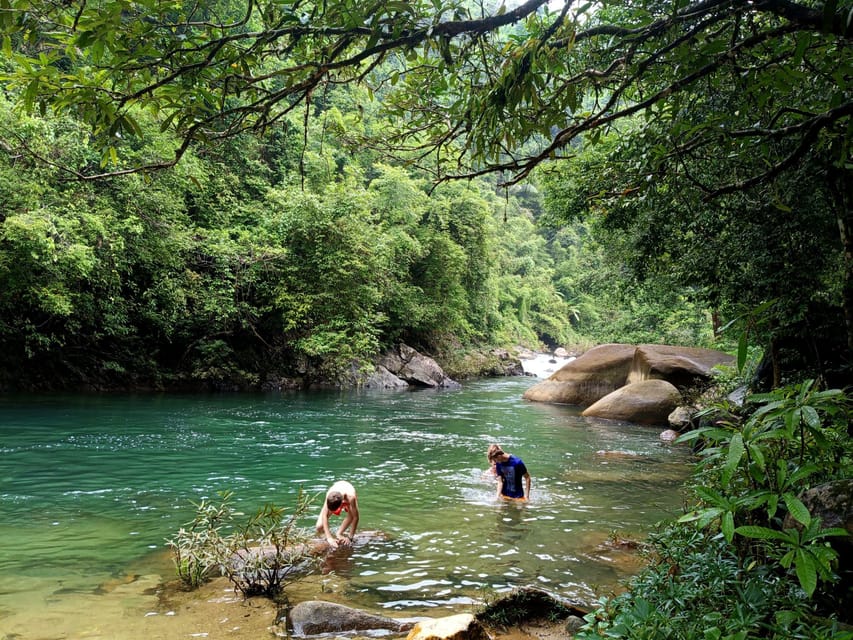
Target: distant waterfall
{"type": "Point", "coordinates": [542, 365]}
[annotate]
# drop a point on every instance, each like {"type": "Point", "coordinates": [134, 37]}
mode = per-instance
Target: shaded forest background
{"type": "Point", "coordinates": [294, 254]}
{"type": "Point", "coordinates": [303, 243]}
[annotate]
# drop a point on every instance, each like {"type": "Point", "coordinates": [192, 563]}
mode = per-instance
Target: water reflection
{"type": "Point", "coordinates": [512, 526]}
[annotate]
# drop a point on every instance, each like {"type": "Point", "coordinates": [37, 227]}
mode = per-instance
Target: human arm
{"type": "Point", "coordinates": [527, 485]}
{"type": "Point", "coordinates": [324, 525]}
{"type": "Point", "coordinates": [351, 521]}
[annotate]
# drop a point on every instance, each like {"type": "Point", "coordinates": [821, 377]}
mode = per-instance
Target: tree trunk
{"type": "Point", "coordinates": [841, 184]}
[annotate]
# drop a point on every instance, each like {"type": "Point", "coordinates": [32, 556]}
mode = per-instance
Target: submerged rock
{"type": "Point", "coordinates": [315, 617]}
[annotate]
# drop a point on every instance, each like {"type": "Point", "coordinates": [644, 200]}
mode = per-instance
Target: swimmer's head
{"type": "Point", "coordinates": [334, 501]}
{"type": "Point", "coordinates": [494, 452]}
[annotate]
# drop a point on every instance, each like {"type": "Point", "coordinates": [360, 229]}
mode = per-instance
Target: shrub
{"type": "Point", "coordinates": [259, 557]}
{"type": "Point", "coordinates": [749, 560]}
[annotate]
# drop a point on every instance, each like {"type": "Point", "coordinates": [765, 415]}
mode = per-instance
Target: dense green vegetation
{"type": "Point", "coordinates": [750, 560]}
{"type": "Point", "coordinates": [232, 194]}
{"type": "Point", "coordinates": [308, 219]}
{"type": "Point", "coordinates": [275, 258]}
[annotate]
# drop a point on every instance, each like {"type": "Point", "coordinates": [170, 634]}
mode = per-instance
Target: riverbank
{"type": "Point", "coordinates": [215, 611]}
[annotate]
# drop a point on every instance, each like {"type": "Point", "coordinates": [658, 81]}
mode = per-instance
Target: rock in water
{"type": "Point", "coordinates": [316, 617]}
{"type": "Point", "coordinates": [463, 626]}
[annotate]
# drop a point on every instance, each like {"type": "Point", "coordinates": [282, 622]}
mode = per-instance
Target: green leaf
{"type": "Point", "coordinates": [728, 526]}
{"type": "Point", "coordinates": [806, 571]}
{"type": "Point", "coordinates": [811, 417]}
{"type": "Point", "coordinates": [797, 509]}
{"type": "Point", "coordinates": [757, 456]}
{"type": "Point", "coordinates": [761, 533]}
{"type": "Point", "coordinates": [736, 451]}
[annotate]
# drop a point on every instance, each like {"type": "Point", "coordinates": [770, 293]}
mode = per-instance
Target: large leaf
{"type": "Point", "coordinates": [797, 509]}
{"type": "Point", "coordinates": [806, 571]}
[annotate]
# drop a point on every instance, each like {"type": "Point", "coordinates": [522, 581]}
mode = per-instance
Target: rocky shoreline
{"type": "Point", "coordinates": [215, 611]}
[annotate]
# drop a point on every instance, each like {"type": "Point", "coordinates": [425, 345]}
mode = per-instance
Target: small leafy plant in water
{"type": "Point", "coordinates": [270, 550]}
{"type": "Point", "coordinates": [259, 556]}
{"type": "Point", "coordinates": [199, 547]}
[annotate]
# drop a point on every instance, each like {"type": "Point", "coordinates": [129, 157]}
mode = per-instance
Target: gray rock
{"type": "Point", "coordinates": [738, 396]}
{"type": "Point", "coordinates": [681, 418]}
{"type": "Point", "coordinates": [574, 624]}
{"type": "Point", "coordinates": [416, 369]}
{"type": "Point", "coordinates": [316, 617]}
{"type": "Point", "coordinates": [832, 502]}
{"type": "Point", "coordinates": [381, 378]}
{"type": "Point", "coordinates": [669, 435]}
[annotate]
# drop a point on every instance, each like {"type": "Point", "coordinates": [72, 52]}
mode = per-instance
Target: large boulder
{"type": "Point", "coordinates": [463, 626]}
{"type": "Point", "coordinates": [646, 402]}
{"type": "Point", "coordinates": [832, 502]}
{"type": "Point", "coordinates": [684, 367]}
{"type": "Point", "coordinates": [608, 367]}
{"type": "Point", "coordinates": [587, 378]}
{"type": "Point", "coordinates": [381, 378]}
{"type": "Point", "coordinates": [415, 368]}
{"type": "Point", "coordinates": [316, 617]}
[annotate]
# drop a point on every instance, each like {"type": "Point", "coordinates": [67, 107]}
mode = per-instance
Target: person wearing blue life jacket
{"type": "Point", "coordinates": [512, 474]}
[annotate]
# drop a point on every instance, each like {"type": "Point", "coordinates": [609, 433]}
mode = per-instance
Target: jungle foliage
{"type": "Point", "coordinates": [274, 258]}
{"type": "Point", "coordinates": [749, 560]}
{"type": "Point", "coordinates": [232, 192]}
{"type": "Point", "coordinates": [694, 156]}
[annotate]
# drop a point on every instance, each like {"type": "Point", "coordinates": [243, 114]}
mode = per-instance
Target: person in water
{"type": "Point", "coordinates": [340, 497]}
{"type": "Point", "coordinates": [510, 471]}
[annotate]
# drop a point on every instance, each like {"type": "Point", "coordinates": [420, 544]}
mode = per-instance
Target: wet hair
{"type": "Point", "coordinates": [334, 500]}
{"type": "Point", "coordinates": [494, 451]}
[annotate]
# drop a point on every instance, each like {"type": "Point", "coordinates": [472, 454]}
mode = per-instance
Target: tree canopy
{"type": "Point", "coordinates": [708, 113]}
{"type": "Point", "coordinates": [474, 84]}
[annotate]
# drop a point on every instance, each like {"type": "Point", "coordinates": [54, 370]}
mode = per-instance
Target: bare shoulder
{"type": "Point", "coordinates": [344, 488]}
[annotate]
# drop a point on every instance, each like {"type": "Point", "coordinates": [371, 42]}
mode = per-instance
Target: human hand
{"type": "Point", "coordinates": [345, 540]}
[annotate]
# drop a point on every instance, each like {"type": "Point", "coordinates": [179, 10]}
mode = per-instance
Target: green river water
{"type": "Point", "coordinates": [91, 486]}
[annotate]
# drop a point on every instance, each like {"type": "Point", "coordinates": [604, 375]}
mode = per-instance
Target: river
{"type": "Point", "coordinates": [91, 486]}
